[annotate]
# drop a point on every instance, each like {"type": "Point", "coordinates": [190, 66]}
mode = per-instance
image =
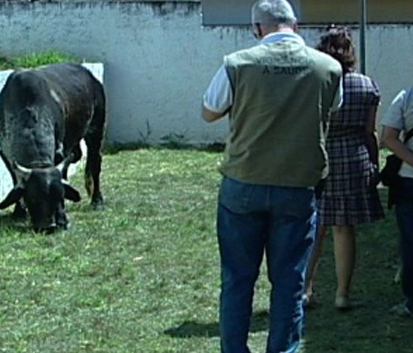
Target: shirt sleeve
{"type": "Point", "coordinates": [394, 115]}
{"type": "Point", "coordinates": [338, 98]}
{"type": "Point", "coordinates": [219, 96]}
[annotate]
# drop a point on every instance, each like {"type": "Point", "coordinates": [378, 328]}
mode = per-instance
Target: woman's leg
{"type": "Point", "coordinates": [345, 257]}
{"type": "Point", "coordinates": [313, 263]}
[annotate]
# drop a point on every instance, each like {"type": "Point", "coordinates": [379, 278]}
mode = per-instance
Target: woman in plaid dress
{"type": "Point", "coordinates": [350, 196]}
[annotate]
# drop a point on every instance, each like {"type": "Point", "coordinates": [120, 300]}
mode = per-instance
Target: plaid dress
{"type": "Point", "coordinates": [350, 196]}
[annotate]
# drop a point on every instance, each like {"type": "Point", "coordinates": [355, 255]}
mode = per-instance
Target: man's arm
{"type": "Point", "coordinates": [338, 97]}
{"type": "Point", "coordinates": [218, 98]}
{"type": "Point", "coordinates": [210, 116]}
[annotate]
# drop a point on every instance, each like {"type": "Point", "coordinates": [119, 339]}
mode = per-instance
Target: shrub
{"type": "Point", "coordinates": [35, 59]}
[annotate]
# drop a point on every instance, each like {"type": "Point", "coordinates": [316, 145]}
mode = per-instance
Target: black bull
{"type": "Point", "coordinates": [44, 114]}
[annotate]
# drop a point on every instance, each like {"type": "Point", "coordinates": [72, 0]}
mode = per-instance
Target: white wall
{"type": "Point", "coordinates": [159, 59]}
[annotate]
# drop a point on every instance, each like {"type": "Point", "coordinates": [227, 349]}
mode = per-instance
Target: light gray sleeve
{"type": "Point", "coordinates": [218, 97]}
{"type": "Point", "coordinates": [394, 115]}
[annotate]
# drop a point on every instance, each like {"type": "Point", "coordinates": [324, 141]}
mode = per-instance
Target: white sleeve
{"type": "Point", "coordinates": [219, 97]}
{"type": "Point", "coordinates": [394, 115]}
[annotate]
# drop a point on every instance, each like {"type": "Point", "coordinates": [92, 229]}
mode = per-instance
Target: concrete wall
{"type": "Point", "coordinates": [159, 59]}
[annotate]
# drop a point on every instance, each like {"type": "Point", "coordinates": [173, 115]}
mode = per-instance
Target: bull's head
{"type": "Point", "coordinates": [43, 191]}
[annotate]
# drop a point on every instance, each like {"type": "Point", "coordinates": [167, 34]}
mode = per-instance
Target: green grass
{"type": "Point", "coordinates": [35, 59]}
{"type": "Point", "coordinates": [143, 274]}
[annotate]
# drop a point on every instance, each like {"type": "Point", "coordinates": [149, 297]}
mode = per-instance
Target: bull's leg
{"type": "Point", "coordinates": [93, 139]}
{"type": "Point", "coordinates": [20, 210]}
{"type": "Point", "coordinates": [59, 154]}
{"type": "Point", "coordinates": [92, 177]}
{"type": "Point", "coordinates": [76, 155]}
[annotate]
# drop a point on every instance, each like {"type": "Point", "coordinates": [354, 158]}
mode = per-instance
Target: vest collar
{"type": "Point", "coordinates": [278, 36]}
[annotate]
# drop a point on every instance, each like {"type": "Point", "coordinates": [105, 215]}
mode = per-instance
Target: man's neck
{"type": "Point", "coordinates": [277, 30]}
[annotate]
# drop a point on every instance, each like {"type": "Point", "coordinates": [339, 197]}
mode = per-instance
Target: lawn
{"type": "Point", "coordinates": [142, 276]}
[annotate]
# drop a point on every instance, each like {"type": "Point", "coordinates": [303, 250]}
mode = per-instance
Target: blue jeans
{"type": "Point", "coordinates": [253, 220]}
{"type": "Point", "coordinates": [404, 214]}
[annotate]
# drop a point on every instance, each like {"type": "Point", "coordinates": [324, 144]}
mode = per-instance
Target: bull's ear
{"type": "Point", "coordinates": [12, 197]}
{"type": "Point", "coordinates": [70, 192]}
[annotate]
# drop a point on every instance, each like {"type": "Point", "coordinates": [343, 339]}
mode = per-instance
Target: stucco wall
{"type": "Point", "coordinates": [159, 59]}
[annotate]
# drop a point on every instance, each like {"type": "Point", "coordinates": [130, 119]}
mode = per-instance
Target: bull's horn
{"type": "Point", "coordinates": [22, 169]}
{"type": "Point", "coordinates": [22, 172]}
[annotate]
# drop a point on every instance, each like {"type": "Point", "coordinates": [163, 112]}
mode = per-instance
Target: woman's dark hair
{"type": "Point", "coordinates": [337, 42]}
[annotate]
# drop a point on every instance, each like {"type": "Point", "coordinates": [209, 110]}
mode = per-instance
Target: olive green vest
{"type": "Point", "coordinates": [283, 93]}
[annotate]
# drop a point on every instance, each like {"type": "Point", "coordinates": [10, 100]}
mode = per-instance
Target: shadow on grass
{"type": "Point", "coordinates": [114, 149]}
{"type": "Point", "coordinates": [7, 221]}
{"type": "Point", "coordinates": [189, 329]}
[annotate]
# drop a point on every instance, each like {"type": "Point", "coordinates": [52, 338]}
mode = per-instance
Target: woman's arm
{"type": "Point", "coordinates": [371, 135]}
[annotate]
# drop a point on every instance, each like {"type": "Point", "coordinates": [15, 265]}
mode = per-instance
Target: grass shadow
{"type": "Point", "coordinates": [7, 221]}
{"type": "Point", "coordinates": [189, 329]}
{"type": "Point", "coordinates": [113, 149]}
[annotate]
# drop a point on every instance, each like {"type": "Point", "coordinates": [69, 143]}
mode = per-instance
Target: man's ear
{"type": "Point", "coordinates": [257, 30]}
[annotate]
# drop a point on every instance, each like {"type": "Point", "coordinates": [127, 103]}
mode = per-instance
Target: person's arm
{"type": "Point", "coordinates": [218, 98]}
{"type": "Point", "coordinates": [338, 97]}
{"type": "Point", "coordinates": [392, 141]}
{"type": "Point", "coordinates": [393, 124]}
{"type": "Point", "coordinates": [209, 116]}
{"type": "Point", "coordinates": [371, 135]}
{"type": "Point", "coordinates": [335, 101]}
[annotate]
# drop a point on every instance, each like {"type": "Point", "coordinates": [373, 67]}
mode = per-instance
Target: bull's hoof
{"type": "Point", "coordinates": [97, 206]}
{"type": "Point", "coordinates": [64, 226]}
{"type": "Point", "coordinates": [97, 202]}
{"type": "Point", "coordinates": [48, 230]}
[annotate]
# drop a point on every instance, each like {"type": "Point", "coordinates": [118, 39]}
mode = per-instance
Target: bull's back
{"type": "Point", "coordinates": [67, 90]}
{"type": "Point", "coordinates": [78, 92]}
{"type": "Point", "coordinates": [69, 78]}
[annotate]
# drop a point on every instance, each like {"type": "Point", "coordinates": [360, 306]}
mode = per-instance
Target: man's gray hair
{"type": "Point", "coordinates": [277, 13]}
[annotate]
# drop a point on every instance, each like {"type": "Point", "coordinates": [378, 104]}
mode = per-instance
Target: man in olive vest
{"type": "Point", "coordinates": [279, 96]}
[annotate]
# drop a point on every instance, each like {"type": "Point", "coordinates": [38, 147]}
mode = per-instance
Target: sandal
{"type": "Point", "coordinates": [310, 302]}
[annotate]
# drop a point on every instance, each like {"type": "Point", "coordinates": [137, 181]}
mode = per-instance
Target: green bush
{"type": "Point", "coordinates": [35, 59]}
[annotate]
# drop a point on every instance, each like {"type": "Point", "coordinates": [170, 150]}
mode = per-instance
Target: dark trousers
{"type": "Point", "coordinates": [404, 214]}
{"type": "Point", "coordinates": [279, 222]}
